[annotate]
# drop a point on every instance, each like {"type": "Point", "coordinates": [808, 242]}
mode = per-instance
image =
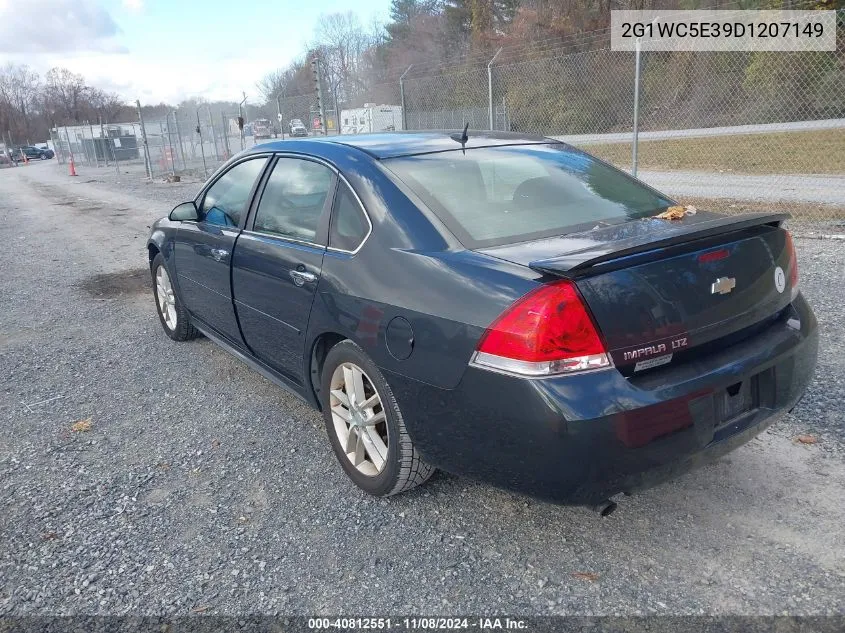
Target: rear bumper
{"type": "Point", "coordinates": [582, 438]}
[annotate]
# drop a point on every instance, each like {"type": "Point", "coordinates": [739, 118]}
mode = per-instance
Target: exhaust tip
{"type": "Point", "coordinates": [605, 508]}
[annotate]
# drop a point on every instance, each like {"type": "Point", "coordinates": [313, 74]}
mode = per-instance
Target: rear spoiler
{"type": "Point", "coordinates": [609, 247]}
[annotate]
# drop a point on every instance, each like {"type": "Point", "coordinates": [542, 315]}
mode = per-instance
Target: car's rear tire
{"type": "Point", "coordinates": [174, 318]}
{"type": "Point", "coordinates": [367, 432]}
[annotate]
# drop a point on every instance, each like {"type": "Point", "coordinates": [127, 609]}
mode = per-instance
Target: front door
{"type": "Point", "coordinates": [203, 249]}
{"type": "Point", "coordinates": [277, 262]}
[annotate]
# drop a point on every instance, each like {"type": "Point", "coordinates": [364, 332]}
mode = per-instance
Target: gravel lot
{"type": "Point", "coordinates": [200, 485]}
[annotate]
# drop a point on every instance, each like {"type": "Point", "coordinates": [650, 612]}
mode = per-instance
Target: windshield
{"type": "Point", "coordinates": [501, 195]}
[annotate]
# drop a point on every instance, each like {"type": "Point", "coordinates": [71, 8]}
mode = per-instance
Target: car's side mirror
{"type": "Point", "coordinates": [185, 212]}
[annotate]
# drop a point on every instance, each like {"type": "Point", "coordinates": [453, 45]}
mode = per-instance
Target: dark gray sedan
{"type": "Point", "coordinates": [499, 306]}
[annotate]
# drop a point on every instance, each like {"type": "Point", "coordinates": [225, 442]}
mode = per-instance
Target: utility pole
{"type": "Point", "coordinates": [241, 121]}
{"type": "Point", "coordinates": [280, 115]}
{"type": "Point", "coordinates": [315, 69]}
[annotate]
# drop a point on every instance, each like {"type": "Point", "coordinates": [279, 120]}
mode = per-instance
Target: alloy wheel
{"type": "Point", "coordinates": [359, 419]}
{"type": "Point", "coordinates": [166, 298]}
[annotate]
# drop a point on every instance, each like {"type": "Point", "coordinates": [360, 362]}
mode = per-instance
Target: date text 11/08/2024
{"type": "Point", "coordinates": [418, 624]}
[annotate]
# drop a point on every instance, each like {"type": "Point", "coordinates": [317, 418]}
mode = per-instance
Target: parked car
{"type": "Point", "coordinates": [501, 306]}
{"type": "Point", "coordinates": [297, 128]}
{"type": "Point", "coordinates": [32, 153]}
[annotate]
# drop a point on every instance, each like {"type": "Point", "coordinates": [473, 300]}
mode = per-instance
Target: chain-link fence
{"type": "Point", "coordinates": [731, 131]}
{"type": "Point", "coordinates": [98, 145]}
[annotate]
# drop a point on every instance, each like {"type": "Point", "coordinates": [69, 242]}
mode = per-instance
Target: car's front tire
{"type": "Point", "coordinates": [172, 314]}
{"type": "Point", "coordinates": [44, 157]}
{"type": "Point", "coordinates": [365, 425]}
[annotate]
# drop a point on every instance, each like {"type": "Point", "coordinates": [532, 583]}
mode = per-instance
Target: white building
{"type": "Point", "coordinates": [371, 118]}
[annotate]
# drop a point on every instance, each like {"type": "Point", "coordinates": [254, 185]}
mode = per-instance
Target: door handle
{"type": "Point", "coordinates": [301, 277]}
{"type": "Point", "coordinates": [219, 254]}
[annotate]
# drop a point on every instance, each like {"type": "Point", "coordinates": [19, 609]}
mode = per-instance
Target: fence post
{"type": "Point", "coordinates": [213, 133]}
{"type": "Point", "coordinates": [202, 149]}
{"type": "Point", "coordinates": [110, 141]}
{"type": "Point", "coordinates": [69, 148]}
{"type": "Point", "coordinates": [226, 135]}
{"type": "Point", "coordinates": [57, 146]}
{"type": "Point", "coordinates": [148, 165]}
{"type": "Point", "coordinates": [105, 140]}
{"type": "Point", "coordinates": [402, 97]}
{"type": "Point", "coordinates": [179, 139]}
{"type": "Point", "coordinates": [94, 144]}
{"type": "Point", "coordinates": [636, 138]}
{"type": "Point", "coordinates": [490, 89]}
{"type": "Point", "coordinates": [170, 144]}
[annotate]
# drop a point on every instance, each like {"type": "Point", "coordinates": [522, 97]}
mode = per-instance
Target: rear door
{"type": "Point", "coordinates": [203, 249]}
{"type": "Point", "coordinates": [278, 261]}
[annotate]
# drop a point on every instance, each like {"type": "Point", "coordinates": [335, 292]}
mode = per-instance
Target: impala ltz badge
{"type": "Point", "coordinates": [722, 286]}
{"type": "Point", "coordinates": [780, 279]}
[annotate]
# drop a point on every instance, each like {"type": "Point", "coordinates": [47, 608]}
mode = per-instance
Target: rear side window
{"type": "Point", "coordinates": [227, 199]}
{"type": "Point", "coordinates": [502, 195]}
{"type": "Point", "coordinates": [349, 227]}
{"type": "Point", "coordinates": [293, 199]}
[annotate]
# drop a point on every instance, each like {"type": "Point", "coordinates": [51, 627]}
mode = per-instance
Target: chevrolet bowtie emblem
{"type": "Point", "coordinates": [722, 286]}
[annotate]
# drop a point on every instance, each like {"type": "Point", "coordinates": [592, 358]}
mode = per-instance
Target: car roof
{"type": "Point", "coordinates": [395, 144]}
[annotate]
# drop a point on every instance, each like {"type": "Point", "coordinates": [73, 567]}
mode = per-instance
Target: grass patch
{"type": "Point", "coordinates": [800, 211]}
{"type": "Point", "coordinates": [816, 152]}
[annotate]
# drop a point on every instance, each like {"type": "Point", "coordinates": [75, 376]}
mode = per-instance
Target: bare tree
{"type": "Point", "coordinates": [67, 91]}
{"type": "Point", "coordinates": [19, 89]}
{"type": "Point", "coordinates": [341, 44]}
{"type": "Point", "coordinates": [293, 79]}
{"type": "Point", "coordinates": [103, 104]}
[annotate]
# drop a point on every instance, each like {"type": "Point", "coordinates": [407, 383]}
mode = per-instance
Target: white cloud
{"type": "Point", "coordinates": [82, 36]}
{"type": "Point", "coordinates": [153, 80]}
{"type": "Point", "coordinates": [52, 26]}
{"type": "Point", "coordinates": [135, 6]}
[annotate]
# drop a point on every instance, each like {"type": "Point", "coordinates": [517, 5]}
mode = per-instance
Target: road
{"type": "Point", "coordinates": [661, 135]}
{"type": "Point", "coordinates": [200, 485]}
{"type": "Point", "coordinates": [828, 190]}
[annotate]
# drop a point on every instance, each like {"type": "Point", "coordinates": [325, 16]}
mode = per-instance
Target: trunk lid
{"type": "Point", "coordinates": [658, 289]}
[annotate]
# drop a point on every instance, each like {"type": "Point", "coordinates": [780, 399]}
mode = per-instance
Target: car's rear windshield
{"type": "Point", "coordinates": [507, 194]}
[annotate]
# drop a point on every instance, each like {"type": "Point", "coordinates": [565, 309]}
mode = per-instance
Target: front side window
{"type": "Point", "coordinates": [501, 195]}
{"type": "Point", "coordinates": [349, 227]}
{"type": "Point", "coordinates": [228, 198]}
{"type": "Point", "coordinates": [293, 199]}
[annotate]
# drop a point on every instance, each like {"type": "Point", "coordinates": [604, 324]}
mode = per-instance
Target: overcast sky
{"type": "Point", "coordinates": [167, 50]}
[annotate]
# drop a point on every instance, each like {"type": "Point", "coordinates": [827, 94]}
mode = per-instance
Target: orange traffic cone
{"type": "Point", "coordinates": [72, 168]}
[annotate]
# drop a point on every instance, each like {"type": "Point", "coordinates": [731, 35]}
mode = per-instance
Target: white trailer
{"type": "Point", "coordinates": [371, 118]}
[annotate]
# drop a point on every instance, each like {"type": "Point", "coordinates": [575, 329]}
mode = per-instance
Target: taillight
{"type": "Point", "coordinates": [548, 331]}
{"type": "Point", "coordinates": [793, 264]}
